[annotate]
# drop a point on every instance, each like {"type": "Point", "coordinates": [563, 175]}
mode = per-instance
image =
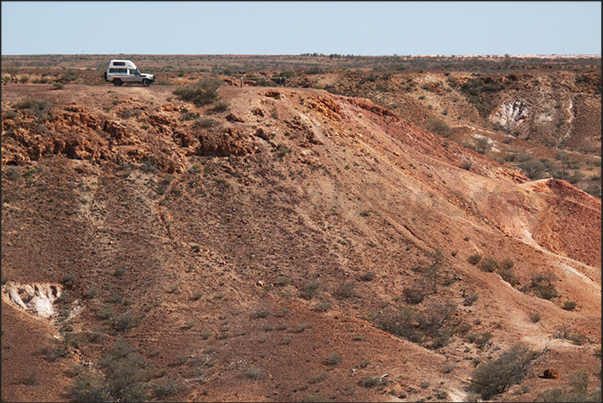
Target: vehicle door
{"type": "Point", "coordinates": [133, 75]}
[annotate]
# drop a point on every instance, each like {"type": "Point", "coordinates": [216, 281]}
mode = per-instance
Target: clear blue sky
{"type": "Point", "coordinates": [293, 28]}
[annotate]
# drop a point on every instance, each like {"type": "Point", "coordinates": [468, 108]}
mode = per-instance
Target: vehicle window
{"type": "Point", "coordinates": [119, 63]}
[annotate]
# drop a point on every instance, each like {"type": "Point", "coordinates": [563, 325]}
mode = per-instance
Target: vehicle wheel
{"type": "Point", "coordinates": [117, 82]}
{"type": "Point", "coordinates": [146, 82]}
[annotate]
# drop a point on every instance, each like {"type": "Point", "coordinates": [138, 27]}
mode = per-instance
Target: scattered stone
{"type": "Point", "coordinates": [551, 374]}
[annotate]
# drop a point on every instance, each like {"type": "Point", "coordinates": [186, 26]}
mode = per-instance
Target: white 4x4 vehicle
{"type": "Point", "coordinates": [124, 71]}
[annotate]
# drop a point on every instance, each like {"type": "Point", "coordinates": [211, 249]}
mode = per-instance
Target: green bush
{"type": "Point", "coordinates": [482, 145]}
{"type": "Point", "coordinates": [534, 317]}
{"type": "Point", "coordinates": [569, 305]}
{"type": "Point", "coordinates": [508, 276]}
{"type": "Point", "coordinates": [205, 123]}
{"type": "Point", "coordinates": [399, 322]}
{"type": "Point", "coordinates": [369, 381]}
{"type": "Point", "coordinates": [253, 372]}
{"type": "Point", "coordinates": [368, 276]}
{"type": "Point", "coordinates": [474, 259]}
{"type": "Point", "coordinates": [483, 340]}
{"type": "Point", "coordinates": [346, 290]}
{"type": "Point", "coordinates": [309, 289]}
{"type": "Point", "coordinates": [489, 265]}
{"type": "Point", "coordinates": [68, 279]}
{"type": "Point", "coordinates": [542, 285]}
{"type": "Point", "coordinates": [10, 115]}
{"type": "Point", "coordinates": [507, 264]}
{"type": "Point", "coordinates": [165, 388]}
{"type": "Point", "coordinates": [333, 359]}
{"type": "Point", "coordinates": [415, 294]}
{"type": "Point", "coordinates": [201, 93]}
{"type": "Point", "coordinates": [532, 169]}
{"type": "Point", "coordinates": [438, 126]}
{"type": "Point", "coordinates": [470, 299]}
{"type": "Point", "coordinates": [88, 387]}
{"type": "Point", "coordinates": [495, 377]}
{"type": "Point", "coordinates": [323, 306]}
{"type": "Point", "coordinates": [578, 392]}
{"type": "Point", "coordinates": [220, 106]}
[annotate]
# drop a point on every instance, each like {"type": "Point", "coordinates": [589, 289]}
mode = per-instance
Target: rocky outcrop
{"type": "Point", "coordinates": [35, 298]}
{"type": "Point", "coordinates": [511, 115]}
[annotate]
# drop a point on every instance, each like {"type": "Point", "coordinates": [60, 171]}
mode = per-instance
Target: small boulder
{"type": "Point", "coordinates": [551, 374]}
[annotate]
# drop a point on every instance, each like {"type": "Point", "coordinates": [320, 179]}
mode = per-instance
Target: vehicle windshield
{"type": "Point", "coordinates": [137, 72]}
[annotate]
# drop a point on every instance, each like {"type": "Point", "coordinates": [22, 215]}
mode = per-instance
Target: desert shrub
{"type": "Point", "coordinates": [88, 387]}
{"type": "Point", "coordinates": [534, 317]}
{"type": "Point", "coordinates": [346, 290]}
{"type": "Point", "coordinates": [415, 294]}
{"type": "Point", "coordinates": [488, 265]}
{"type": "Point", "coordinates": [314, 398]}
{"type": "Point", "coordinates": [70, 76]}
{"type": "Point", "coordinates": [483, 340]}
{"type": "Point", "coordinates": [467, 165]}
{"type": "Point", "coordinates": [36, 107]}
{"type": "Point", "coordinates": [124, 375]}
{"type": "Point", "coordinates": [105, 311]}
{"type": "Point", "coordinates": [400, 323]}
{"type": "Point", "coordinates": [120, 271]}
{"type": "Point", "coordinates": [578, 392]}
{"type": "Point", "coordinates": [542, 285]}
{"type": "Point", "coordinates": [12, 173]}
{"type": "Point", "coordinates": [10, 115]}
{"type": "Point", "coordinates": [474, 259]}
{"type": "Point", "coordinates": [369, 381]}
{"type": "Point", "coordinates": [507, 264]}
{"type": "Point", "coordinates": [261, 313]}
{"type": "Point", "coordinates": [92, 292]}
{"type": "Point", "coordinates": [565, 332]}
{"type": "Point", "coordinates": [448, 367]}
{"type": "Point", "coordinates": [282, 281]}
{"type": "Point", "coordinates": [68, 279]}
{"type": "Point", "coordinates": [31, 379]}
{"type": "Point", "coordinates": [253, 372]}
{"type": "Point", "coordinates": [314, 70]}
{"type": "Point", "coordinates": [58, 86]}
{"type": "Point", "coordinates": [191, 116]}
{"type": "Point", "coordinates": [125, 321]}
{"type": "Point", "coordinates": [438, 126]}
{"type": "Point", "coordinates": [470, 299]}
{"type": "Point", "coordinates": [495, 377]}
{"type": "Point", "coordinates": [323, 306]}
{"type": "Point", "coordinates": [463, 328]}
{"type": "Point", "coordinates": [165, 388]}
{"type": "Point", "coordinates": [309, 289]}
{"type": "Point", "coordinates": [333, 359]}
{"type": "Point", "coordinates": [368, 276]}
{"type": "Point", "coordinates": [532, 169]}
{"type": "Point", "coordinates": [287, 73]}
{"type": "Point", "coordinates": [569, 305]}
{"type": "Point", "coordinates": [201, 93]}
{"type": "Point", "coordinates": [220, 106]}
{"type": "Point", "coordinates": [575, 178]}
{"type": "Point", "coordinates": [508, 276]}
{"type": "Point", "coordinates": [205, 123]}
{"type": "Point", "coordinates": [482, 145]}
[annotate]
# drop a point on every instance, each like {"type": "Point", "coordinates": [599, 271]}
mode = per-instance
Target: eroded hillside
{"type": "Point", "coordinates": [281, 244]}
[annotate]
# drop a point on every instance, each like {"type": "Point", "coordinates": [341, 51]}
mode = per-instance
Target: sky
{"type": "Point", "coordinates": [294, 28]}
